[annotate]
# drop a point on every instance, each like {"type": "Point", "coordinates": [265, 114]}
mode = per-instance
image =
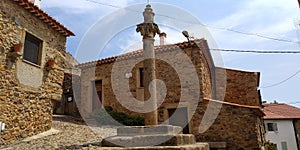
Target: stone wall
{"type": "Point", "coordinates": [26, 107]}
{"type": "Point", "coordinates": [238, 126]}
{"type": "Point", "coordinates": [165, 71]}
{"type": "Point", "coordinates": [240, 86]}
{"type": "Point", "coordinates": [67, 105]}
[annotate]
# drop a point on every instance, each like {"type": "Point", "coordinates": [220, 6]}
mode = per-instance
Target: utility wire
{"type": "Point", "coordinates": [258, 51]}
{"type": "Point", "coordinates": [283, 81]}
{"type": "Point", "coordinates": [293, 103]}
{"type": "Point", "coordinates": [231, 30]}
{"type": "Point", "coordinates": [255, 34]}
{"type": "Point", "coordinates": [205, 25]}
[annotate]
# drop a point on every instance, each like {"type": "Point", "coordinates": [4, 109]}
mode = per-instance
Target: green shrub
{"type": "Point", "coordinates": [107, 116]}
{"type": "Point", "coordinates": [108, 108]}
{"type": "Point", "coordinates": [271, 146]}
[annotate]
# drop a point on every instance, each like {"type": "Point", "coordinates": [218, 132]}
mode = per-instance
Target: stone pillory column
{"type": "Point", "coordinates": [151, 136]}
{"type": "Point", "coordinates": [148, 30]}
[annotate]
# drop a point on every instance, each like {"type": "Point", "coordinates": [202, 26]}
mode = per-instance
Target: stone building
{"type": "Point", "coordinates": [67, 105]}
{"type": "Point", "coordinates": [234, 93]}
{"type": "Point", "coordinates": [32, 62]}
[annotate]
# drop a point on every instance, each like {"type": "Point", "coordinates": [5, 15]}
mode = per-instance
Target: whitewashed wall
{"type": "Point", "coordinates": [285, 133]}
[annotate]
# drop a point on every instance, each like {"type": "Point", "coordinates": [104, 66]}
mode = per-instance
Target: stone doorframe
{"type": "Point", "coordinates": [90, 93]}
{"type": "Point", "coordinates": [181, 105]}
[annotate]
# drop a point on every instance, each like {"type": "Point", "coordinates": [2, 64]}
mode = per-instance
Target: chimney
{"type": "Point", "coordinates": [36, 2]}
{"type": "Point", "coordinates": [162, 37]}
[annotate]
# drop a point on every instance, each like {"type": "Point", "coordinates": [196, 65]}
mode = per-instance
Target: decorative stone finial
{"type": "Point", "coordinates": [148, 29]}
{"type": "Point", "coordinates": [148, 14]}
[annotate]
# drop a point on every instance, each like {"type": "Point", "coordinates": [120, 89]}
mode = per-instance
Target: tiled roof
{"type": "Point", "coordinates": [36, 11]}
{"type": "Point", "coordinates": [281, 111]}
{"type": "Point", "coordinates": [160, 48]}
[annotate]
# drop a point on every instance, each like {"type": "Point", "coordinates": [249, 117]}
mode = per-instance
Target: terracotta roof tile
{"type": "Point", "coordinates": [281, 111]}
{"type": "Point", "coordinates": [44, 17]}
{"type": "Point", "coordinates": [159, 48]}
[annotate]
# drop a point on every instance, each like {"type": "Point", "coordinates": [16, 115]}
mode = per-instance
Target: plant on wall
{"type": "Point", "coordinates": [51, 62]}
{"type": "Point", "coordinates": [18, 47]}
{"type": "Point", "coordinates": [271, 146]}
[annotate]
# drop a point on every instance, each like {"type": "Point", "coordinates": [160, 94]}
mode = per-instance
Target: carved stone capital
{"type": "Point", "coordinates": [148, 30]}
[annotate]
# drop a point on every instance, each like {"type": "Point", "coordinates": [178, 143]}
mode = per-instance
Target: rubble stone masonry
{"type": "Point", "coordinates": [240, 127]}
{"type": "Point", "coordinates": [240, 87]}
{"type": "Point", "coordinates": [27, 91]}
{"type": "Point", "coordinates": [239, 123]}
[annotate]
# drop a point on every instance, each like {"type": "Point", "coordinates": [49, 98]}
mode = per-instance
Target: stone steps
{"type": "Point", "coordinates": [149, 140]}
{"type": "Point", "coordinates": [152, 137]}
{"type": "Point", "coordinates": [196, 146]}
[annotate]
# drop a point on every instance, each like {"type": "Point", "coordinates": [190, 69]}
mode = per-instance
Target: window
{"type": "Point", "coordinates": [271, 127]}
{"type": "Point", "coordinates": [284, 145]}
{"type": "Point", "coordinates": [32, 49]}
{"type": "Point", "coordinates": [141, 77]}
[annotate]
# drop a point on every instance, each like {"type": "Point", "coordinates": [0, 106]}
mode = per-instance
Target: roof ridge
{"type": "Point", "coordinates": [42, 15]}
{"type": "Point", "coordinates": [272, 112]}
{"type": "Point", "coordinates": [158, 48]}
{"type": "Point", "coordinates": [281, 111]}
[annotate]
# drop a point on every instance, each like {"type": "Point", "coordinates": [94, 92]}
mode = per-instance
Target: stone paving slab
{"type": "Point", "coordinates": [74, 132]}
{"type": "Point", "coordinates": [42, 135]}
{"type": "Point", "coordinates": [75, 135]}
{"type": "Point", "coordinates": [197, 146]}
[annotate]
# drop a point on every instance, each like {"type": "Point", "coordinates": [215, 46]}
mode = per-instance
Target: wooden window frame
{"type": "Point", "coordinates": [38, 52]}
{"type": "Point", "coordinates": [272, 127]}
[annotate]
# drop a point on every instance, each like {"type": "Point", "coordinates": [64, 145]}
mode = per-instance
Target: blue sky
{"type": "Point", "coordinates": [274, 18]}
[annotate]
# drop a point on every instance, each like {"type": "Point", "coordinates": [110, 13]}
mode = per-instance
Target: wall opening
{"type": "Point", "coordinates": [179, 118]}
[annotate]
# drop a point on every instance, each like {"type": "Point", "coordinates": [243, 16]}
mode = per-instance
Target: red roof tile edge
{"type": "Point", "coordinates": [237, 105]}
{"type": "Point", "coordinates": [159, 48]}
{"type": "Point", "coordinates": [44, 17]}
{"type": "Point", "coordinates": [281, 112]}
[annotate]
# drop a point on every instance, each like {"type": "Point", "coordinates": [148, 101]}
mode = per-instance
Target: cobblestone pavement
{"type": "Point", "coordinates": [75, 134]}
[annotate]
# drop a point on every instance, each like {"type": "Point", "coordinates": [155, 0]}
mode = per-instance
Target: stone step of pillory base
{"type": "Point", "coordinates": [218, 145]}
{"type": "Point", "coordinates": [197, 146]}
{"type": "Point", "coordinates": [149, 140]}
{"type": "Point", "coordinates": [149, 130]}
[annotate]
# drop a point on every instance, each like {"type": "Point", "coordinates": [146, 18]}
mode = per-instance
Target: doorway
{"type": "Point", "coordinates": [97, 95]}
{"type": "Point", "coordinates": [179, 118]}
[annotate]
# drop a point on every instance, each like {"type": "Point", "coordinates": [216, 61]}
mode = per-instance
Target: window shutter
{"type": "Point", "coordinates": [32, 49]}
{"type": "Point", "coordinates": [266, 127]}
{"type": "Point", "coordinates": [275, 127]}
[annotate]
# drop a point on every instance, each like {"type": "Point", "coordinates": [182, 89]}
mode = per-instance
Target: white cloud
{"type": "Point", "coordinates": [83, 6]}
{"type": "Point", "coordinates": [267, 17]}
